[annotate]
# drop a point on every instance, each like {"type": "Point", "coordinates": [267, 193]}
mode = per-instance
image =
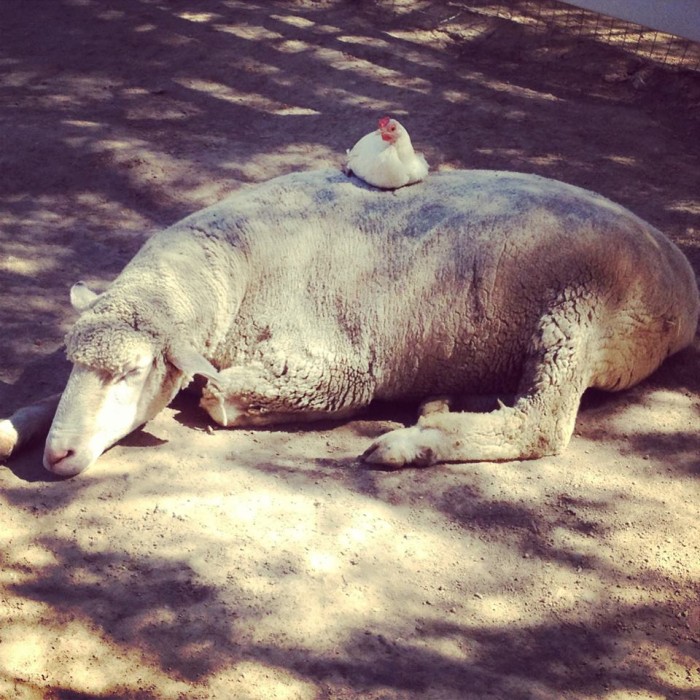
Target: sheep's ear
{"type": "Point", "coordinates": [81, 297]}
{"type": "Point", "coordinates": [191, 363]}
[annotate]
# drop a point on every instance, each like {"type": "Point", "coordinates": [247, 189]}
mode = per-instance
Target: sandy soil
{"type": "Point", "coordinates": [193, 564]}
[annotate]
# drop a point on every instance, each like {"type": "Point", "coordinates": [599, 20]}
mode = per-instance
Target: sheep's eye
{"type": "Point", "coordinates": [129, 374]}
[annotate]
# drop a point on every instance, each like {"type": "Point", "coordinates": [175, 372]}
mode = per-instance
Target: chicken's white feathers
{"type": "Point", "coordinates": [385, 158]}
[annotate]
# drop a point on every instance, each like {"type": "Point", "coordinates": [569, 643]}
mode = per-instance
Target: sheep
{"type": "Point", "coordinates": [312, 295]}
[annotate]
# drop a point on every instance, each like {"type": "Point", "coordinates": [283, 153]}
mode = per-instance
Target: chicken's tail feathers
{"type": "Point", "coordinates": [423, 161]}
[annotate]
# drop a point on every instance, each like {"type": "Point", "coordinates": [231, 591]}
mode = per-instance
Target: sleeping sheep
{"type": "Point", "coordinates": [311, 295]}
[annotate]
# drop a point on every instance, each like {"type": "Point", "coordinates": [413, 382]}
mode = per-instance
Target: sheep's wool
{"type": "Point", "coordinates": [310, 295]}
{"type": "Point", "coordinates": [107, 344]}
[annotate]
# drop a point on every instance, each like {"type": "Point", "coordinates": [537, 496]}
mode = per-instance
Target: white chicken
{"type": "Point", "coordinates": [385, 158]}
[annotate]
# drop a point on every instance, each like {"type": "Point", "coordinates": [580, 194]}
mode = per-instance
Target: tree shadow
{"type": "Point", "coordinates": [123, 118]}
{"type": "Point", "coordinates": [221, 94]}
{"type": "Point", "coordinates": [160, 606]}
{"type": "Point", "coordinates": [43, 376]}
{"type": "Point", "coordinates": [185, 624]}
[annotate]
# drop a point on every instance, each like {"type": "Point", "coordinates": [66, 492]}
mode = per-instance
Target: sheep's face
{"type": "Point", "coordinates": [118, 382]}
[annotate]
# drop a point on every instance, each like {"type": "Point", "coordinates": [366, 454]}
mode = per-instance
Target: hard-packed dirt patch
{"type": "Point", "coordinates": [197, 563]}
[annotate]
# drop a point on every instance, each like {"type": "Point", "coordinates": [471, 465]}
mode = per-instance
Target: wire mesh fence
{"type": "Point", "coordinates": [541, 18]}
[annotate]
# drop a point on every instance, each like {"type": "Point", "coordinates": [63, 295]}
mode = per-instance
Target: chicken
{"type": "Point", "coordinates": [385, 158]}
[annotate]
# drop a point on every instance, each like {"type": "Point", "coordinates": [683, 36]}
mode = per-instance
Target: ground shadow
{"type": "Point", "coordinates": [193, 633]}
{"type": "Point", "coordinates": [118, 119]}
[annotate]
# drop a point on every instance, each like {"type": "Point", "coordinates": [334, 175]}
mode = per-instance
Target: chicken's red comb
{"type": "Point", "coordinates": [384, 122]}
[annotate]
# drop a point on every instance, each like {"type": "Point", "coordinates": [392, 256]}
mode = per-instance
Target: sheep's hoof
{"type": "Point", "coordinates": [403, 447]}
{"type": "Point", "coordinates": [8, 439]}
{"type": "Point", "coordinates": [439, 404]}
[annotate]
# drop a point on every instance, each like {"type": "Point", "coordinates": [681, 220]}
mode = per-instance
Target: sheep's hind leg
{"type": "Point", "coordinates": [539, 423]}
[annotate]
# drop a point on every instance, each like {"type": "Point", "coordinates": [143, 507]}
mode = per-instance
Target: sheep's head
{"type": "Point", "coordinates": [121, 378]}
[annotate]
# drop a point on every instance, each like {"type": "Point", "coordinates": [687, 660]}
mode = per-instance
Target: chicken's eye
{"type": "Point", "coordinates": [393, 127]}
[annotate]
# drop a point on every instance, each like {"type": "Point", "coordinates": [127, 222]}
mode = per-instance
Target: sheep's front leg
{"type": "Point", "coordinates": [255, 396]}
{"type": "Point", "coordinates": [27, 425]}
{"type": "Point", "coordinates": [540, 422]}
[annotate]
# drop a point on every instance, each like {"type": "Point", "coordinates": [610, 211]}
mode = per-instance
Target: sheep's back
{"type": "Point", "coordinates": [440, 285]}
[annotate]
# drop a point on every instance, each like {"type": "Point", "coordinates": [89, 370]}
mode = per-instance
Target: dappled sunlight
{"type": "Point", "coordinates": [37, 647]}
{"type": "Point", "coordinates": [259, 680]}
{"type": "Point", "coordinates": [367, 69]}
{"type": "Point", "coordinates": [81, 124]}
{"type": "Point", "coordinates": [250, 32]}
{"type": "Point", "coordinates": [334, 58]}
{"type": "Point", "coordinates": [420, 38]}
{"type": "Point", "coordinates": [410, 51]}
{"type": "Point", "coordinates": [621, 160]}
{"type": "Point", "coordinates": [285, 160]}
{"type": "Point", "coordinates": [661, 411]}
{"type": "Point", "coordinates": [143, 168]}
{"type": "Point", "coordinates": [669, 666]}
{"type": "Point", "coordinates": [21, 559]}
{"type": "Point", "coordinates": [36, 641]}
{"type": "Point", "coordinates": [252, 570]}
{"type": "Point", "coordinates": [351, 99]}
{"type": "Point", "coordinates": [687, 206]}
{"type": "Point", "coordinates": [21, 265]}
{"type": "Point", "coordinates": [272, 564]}
{"type": "Point", "coordinates": [54, 216]}
{"type": "Point", "coordinates": [199, 16]}
{"type": "Point", "coordinates": [528, 93]}
{"type": "Point", "coordinates": [305, 23]}
{"type": "Point", "coordinates": [250, 100]}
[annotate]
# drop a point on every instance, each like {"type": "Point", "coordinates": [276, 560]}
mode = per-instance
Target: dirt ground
{"type": "Point", "coordinates": [200, 564]}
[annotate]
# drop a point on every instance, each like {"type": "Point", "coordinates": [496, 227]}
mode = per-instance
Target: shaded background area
{"type": "Point", "coordinates": [268, 565]}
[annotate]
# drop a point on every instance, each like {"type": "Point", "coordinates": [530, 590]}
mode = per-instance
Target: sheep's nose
{"type": "Point", "coordinates": [54, 456]}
